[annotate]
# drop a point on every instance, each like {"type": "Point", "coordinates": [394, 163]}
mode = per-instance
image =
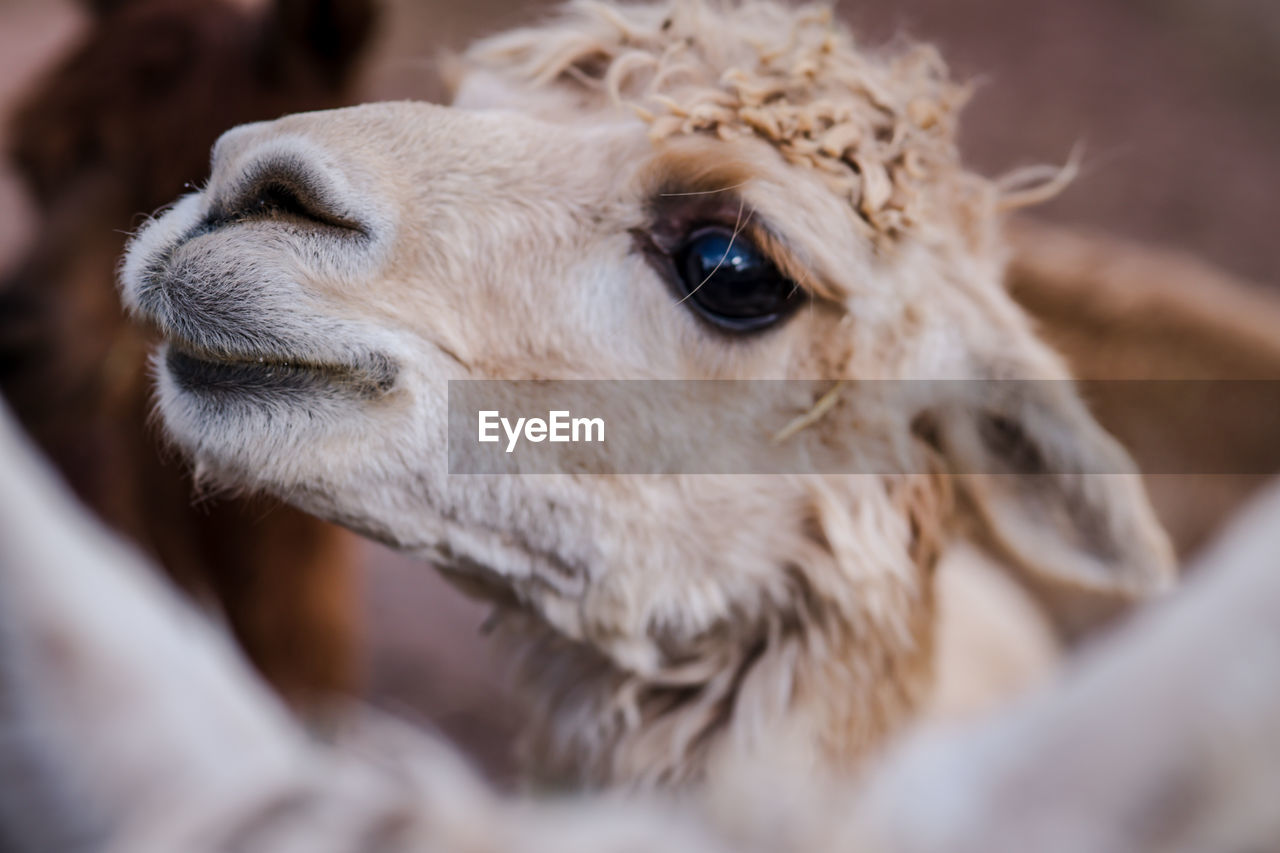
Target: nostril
{"type": "Point", "coordinates": [279, 199]}
{"type": "Point", "coordinates": [279, 194]}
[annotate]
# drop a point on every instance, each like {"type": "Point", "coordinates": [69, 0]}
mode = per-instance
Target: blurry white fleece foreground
{"type": "Point", "coordinates": [128, 723]}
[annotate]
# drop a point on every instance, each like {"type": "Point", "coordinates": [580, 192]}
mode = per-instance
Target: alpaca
{"type": "Point", "coordinates": [117, 129]}
{"type": "Point", "coordinates": [340, 267]}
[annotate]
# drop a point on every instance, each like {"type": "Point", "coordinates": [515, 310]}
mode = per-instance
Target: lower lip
{"type": "Point", "coordinates": [197, 374]}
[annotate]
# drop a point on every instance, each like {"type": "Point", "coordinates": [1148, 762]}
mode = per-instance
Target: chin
{"type": "Point", "coordinates": [246, 425]}
{"type": "Point", "coordinates": [327, 439]}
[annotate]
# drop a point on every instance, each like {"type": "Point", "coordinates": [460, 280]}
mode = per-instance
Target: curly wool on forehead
{"type": "Point", "coordinates": [879, 129]}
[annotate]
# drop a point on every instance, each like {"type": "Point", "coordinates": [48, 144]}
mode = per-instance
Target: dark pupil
{"type": "Point", "coordinates": [730, 282]}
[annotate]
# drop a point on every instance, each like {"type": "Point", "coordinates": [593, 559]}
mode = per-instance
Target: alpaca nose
{"type": "Point", "coordinates": [285, 189]}
{"type": "Point", "coordinates": [262, 172]}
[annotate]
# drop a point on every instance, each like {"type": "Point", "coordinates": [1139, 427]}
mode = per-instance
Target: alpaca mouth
{"type": "Point", "coordinates": [200, 371]}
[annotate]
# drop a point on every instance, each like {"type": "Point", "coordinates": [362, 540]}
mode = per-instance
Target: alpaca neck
{"type": "Point", "coordinates": [821, 696]}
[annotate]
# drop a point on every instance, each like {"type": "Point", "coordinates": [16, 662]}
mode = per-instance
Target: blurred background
{"type": "Point", "coordinates": [1176, 101]}
{"type": "Point", "coordinates": [1177, 104]}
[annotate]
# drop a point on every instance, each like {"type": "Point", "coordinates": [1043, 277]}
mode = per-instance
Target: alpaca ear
{"type": "Point", "coordinates": [1054, 496]}
{"type": "Point", "coordinates": [325, 36]}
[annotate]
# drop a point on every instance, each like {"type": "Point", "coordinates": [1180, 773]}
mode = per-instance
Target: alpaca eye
{"type": "Point", "coordinates": [730, 283]}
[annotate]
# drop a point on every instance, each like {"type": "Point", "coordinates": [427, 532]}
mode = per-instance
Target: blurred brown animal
{"type": "Point", "coordinates": [118, 128]}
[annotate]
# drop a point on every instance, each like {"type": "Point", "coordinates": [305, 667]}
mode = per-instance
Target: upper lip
{"type": "Point", "coordinates": [233, 326]}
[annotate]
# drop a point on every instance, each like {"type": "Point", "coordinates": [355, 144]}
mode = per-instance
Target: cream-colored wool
{"type": "Point", "coordinates": [879, 131]}
{"type": "Point", "coordinates": [667, 626]}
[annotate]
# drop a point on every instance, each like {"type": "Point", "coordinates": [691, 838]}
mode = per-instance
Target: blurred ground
{"type": "Point", "coordinates": [1176, 101]}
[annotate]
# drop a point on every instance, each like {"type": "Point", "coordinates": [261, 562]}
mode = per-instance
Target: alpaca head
{"type": "Point", "coordinates": [341, 267]}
